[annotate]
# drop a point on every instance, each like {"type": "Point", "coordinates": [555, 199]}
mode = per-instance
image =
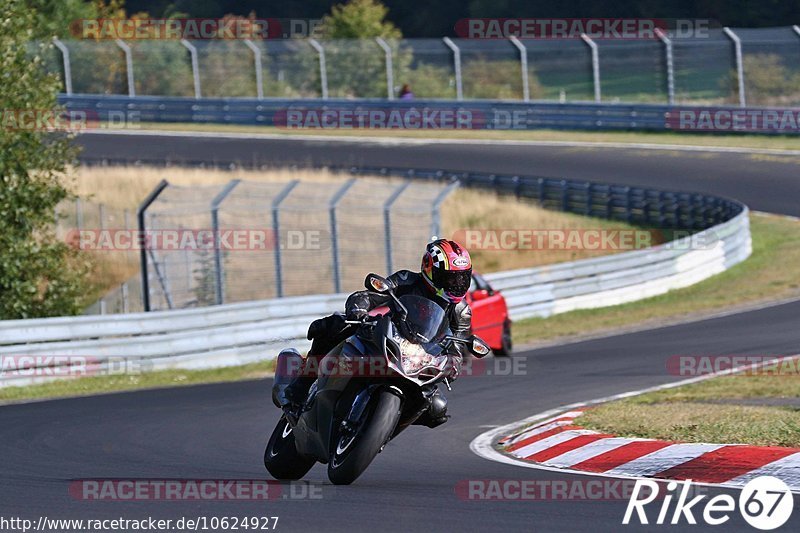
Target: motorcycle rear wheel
{"type": "Point", "coordinates": [354, 453]}
{"type": "Point", "coordinates": [281, 457]}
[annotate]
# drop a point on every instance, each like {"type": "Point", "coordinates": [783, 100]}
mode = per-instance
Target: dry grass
{"type": "Point", "coordinates": [124, 187]}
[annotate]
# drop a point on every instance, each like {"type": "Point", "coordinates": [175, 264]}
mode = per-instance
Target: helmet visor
{"type": "Point", "coordinates": [453, 282]}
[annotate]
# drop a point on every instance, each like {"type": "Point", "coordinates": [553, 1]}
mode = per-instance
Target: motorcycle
{"type": "Point", "coordinates": [369, 388]}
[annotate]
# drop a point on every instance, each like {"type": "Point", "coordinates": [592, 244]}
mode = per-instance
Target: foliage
{"type": "Point", "coordinates": [359, 19]}
{"type": "Point", "coordinates": [39, 276]}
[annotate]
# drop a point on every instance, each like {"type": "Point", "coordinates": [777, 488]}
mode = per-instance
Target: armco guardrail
{"type": "Point", "coordinates": [44, 349]}
{"type": "Point", "coordinates": [128, 112]}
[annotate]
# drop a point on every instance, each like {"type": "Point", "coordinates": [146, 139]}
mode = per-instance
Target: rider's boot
{"type": "Point", "coordinates": [436, 415]}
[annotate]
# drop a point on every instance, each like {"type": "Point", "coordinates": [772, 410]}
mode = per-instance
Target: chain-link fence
{"type": "Point", "coordinates": [93, 227]}
{"type": "Point", "coordinates": [255, 240]}
{"type": "Point", "coordinates": [704, 68]}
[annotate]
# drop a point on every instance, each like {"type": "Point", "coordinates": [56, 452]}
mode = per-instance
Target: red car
{"type": "Point", "coordinates": [490, 319]}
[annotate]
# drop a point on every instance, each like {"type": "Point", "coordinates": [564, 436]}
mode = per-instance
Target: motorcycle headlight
{"type": "Point", "coordinates": [414, 358]}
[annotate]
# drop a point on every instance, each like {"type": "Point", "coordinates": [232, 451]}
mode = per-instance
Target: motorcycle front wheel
{"type": "Point", "coordinates": [355, 451]}
{"type": "Point", "coordinates": [281, 457]}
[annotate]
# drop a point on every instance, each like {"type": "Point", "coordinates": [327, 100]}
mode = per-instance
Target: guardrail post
{"type": "Point", "coordinates": [128, 65]}
{"type": "Point", "coordinates": [323, 67]}
{"type": "Point", "coordinates": [126, 305]}
{"type": "Point", "coordinates": [436, 223]}
{"type": "Point", "coordinates": [215, 203]}
{"type": "Point", "coordinates": [387, 51]}
{"type": "Point", "coordinates": [456, 66]}
{"type": "Point", "coordinates": [276, 237]}
{"type": "Point", "coordinates": [67, 65]}
{"type": "Point", "coordinates": [334, 201]}
{"type": "Point", "coordinates": [670, 65]}
{"type": "Point", "coordinates": [195, 66]}
{"type": "Point", "coordinates": [259, 71]}
{"type": "Point", "coordinates": [142, 241]}
{"type": "Point", "coordinates": [737, 47]}
{"type": "Point", "coordinates": [523, 63]}
{"type": "Point", "coordinates": [595, 65]}
{"type": "Point", "coordinates": [387, 221]}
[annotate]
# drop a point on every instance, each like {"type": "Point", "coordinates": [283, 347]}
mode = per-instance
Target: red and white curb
{"type": "Point", "coordinates": [554, 441]}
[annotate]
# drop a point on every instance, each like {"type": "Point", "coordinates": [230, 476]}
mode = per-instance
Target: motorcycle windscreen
{"type": "Point", "coordinates": [426, 321]}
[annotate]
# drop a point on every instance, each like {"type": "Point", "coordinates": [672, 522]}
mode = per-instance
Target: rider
{"type": "Point", "coordinates": [444, 277]}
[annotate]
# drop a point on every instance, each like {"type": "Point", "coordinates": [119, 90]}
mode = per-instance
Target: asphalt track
{"type": "Point", "coordinates": [218, 431]}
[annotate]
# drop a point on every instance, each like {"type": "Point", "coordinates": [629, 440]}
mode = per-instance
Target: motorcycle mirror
{"type": "Point", "coordinates": [376, 283]}
{"type": "Point", "coordinates": [479, 347]}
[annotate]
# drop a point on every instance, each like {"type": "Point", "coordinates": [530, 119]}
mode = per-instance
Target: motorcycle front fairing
{"type": "Point", "coordinates": [338, 390]}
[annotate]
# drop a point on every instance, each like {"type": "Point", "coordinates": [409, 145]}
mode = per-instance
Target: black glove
{"type": "Point", "coordinates": [357, 314]}
{"type": "Point", "coordinates": [328, 325]}
{"type": "Point", "coordinates": [453, 367]}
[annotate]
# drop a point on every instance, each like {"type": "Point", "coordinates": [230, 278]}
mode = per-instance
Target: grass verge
{"type": "Point", "coordinates": [771, 273]}
{"type": "Point", "coordinates": [125, 382]}
{"type": "Point", "coordinates": [684, 138]}
{"type": "Point", "coordinates": [717, 410]}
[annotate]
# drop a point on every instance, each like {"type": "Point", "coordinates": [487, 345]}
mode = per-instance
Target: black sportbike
{"type": "Point", "coordinates": [369, 388]}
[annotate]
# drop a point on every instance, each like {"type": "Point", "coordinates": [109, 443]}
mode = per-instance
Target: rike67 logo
{"type": "Point", "coordinates": [765, 503]}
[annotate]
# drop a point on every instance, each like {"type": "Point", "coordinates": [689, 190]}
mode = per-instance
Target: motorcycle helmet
{"type": "Point", "coordinates": [447, 268]}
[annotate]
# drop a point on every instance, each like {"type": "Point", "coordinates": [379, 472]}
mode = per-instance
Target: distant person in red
{"type": "Point", "coordinates": [405, 92]}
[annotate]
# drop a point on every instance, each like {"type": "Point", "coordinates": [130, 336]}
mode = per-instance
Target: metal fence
{"type": "Point", "coordinates": [721, 66]}
{"type": "Point", "coordinates": [255, 240]}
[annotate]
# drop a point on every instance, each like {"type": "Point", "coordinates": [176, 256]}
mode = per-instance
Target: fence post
{"type": "Point", "coordinates": [456, 66]}
{"type": "Point", "coordinates": [387, 51]}
{"type": "Point", "coordinates": [259, 72]}
{"type": "Point", "coordinates": [436, 225]}
{"type": "Point", "coordinates": [334, 201]}
{"type": "Point", "coordinates": [126, 305]}
{"type": "Point", "coordinates": [737, 47]}
{"type": "Point", "coordinates": [101, 213]}
{"type": "Point", "coordinates": [78, 213]}
{"type": "Point", "coordinates": [67, 66]}
{"type": "Point", "coordinates": [215, 203]}
{"type": "Point", "coordinates": [140, 215]}
{"type": "Point", "coordinates": [387, 221]}
{"type": "Point", "coordinates": [595, 65]}
{"type": "Point", "coordinates": [276, 202]}
{"type": "Point", "coordinates": [523, 63]}
{"type": "Point", "coordinates": [670, 65]}
{"type": "Point", "coordinates": [128, 65]}
{"type": "Point", "coordinates": [323, 67]}
{"type": "Point", "coordinates": [195, 66]}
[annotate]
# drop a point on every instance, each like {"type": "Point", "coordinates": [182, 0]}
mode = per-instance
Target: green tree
{"type": "Point", "coordinates": [359, 19]}
{"type": "Point", "coordinates": [39, 275]}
